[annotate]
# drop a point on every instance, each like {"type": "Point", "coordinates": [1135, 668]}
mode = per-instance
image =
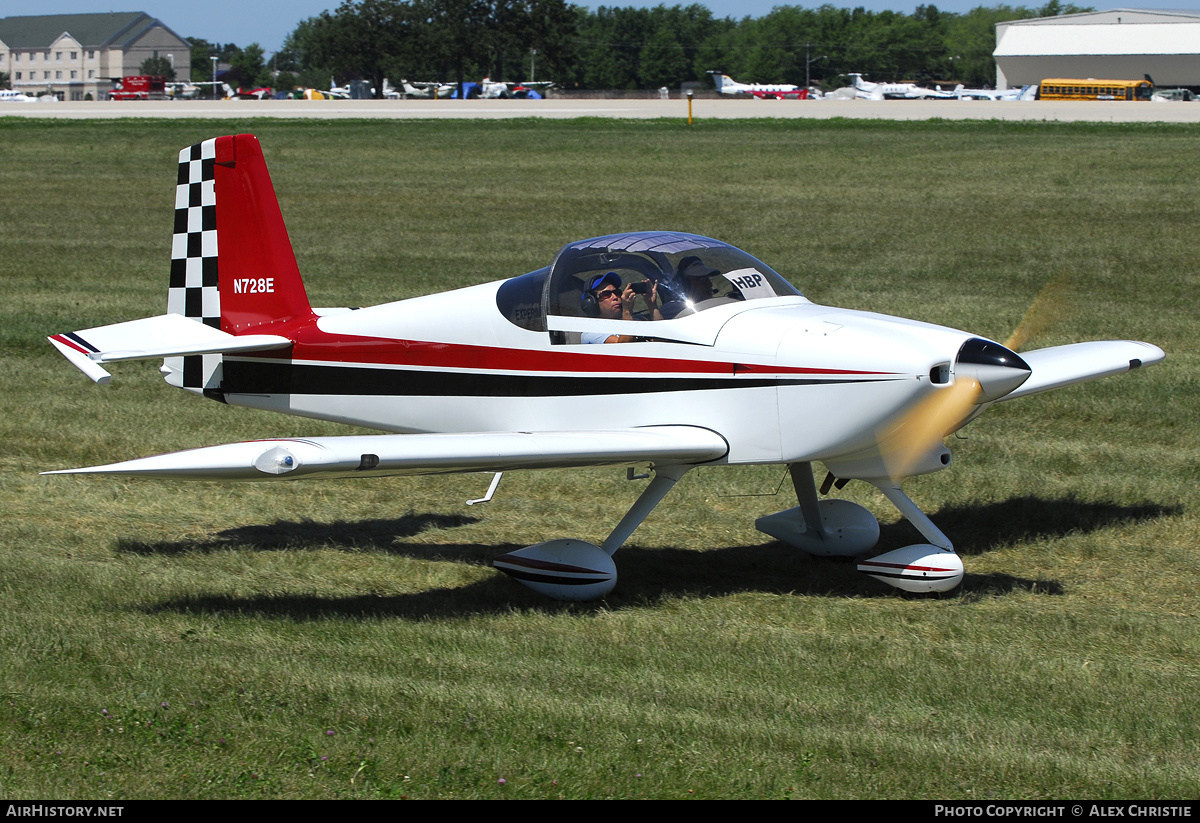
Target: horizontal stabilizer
{"type": "Point", "coordinates": [1060, 366]}
{"type": "Point", "coordinates": [395, 454]}
{"type": "Point", "coordinates": [167, 335]}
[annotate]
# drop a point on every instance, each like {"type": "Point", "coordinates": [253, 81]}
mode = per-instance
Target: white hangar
{"type": "Point", "coordinates": [1119, 44]}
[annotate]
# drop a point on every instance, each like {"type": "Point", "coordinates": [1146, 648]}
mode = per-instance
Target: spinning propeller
{"type": "Point", "coordinates": [1044, 308]}
{"type": "Point", "coordinates": [983, 371]}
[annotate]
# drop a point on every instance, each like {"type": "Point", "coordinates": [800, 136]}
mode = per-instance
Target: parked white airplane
{"type": "Point", "coordinates": [428, 89]}
{"type": "Point", "coordinates": [867, 90]}
{"type": "Point", "coordinates": [184, 90]}
{"type": "Point", "coordinates": [763, 91]}
{"type": "Point", "coordinates": [492, 89]}
{"type": "Point", "coordinates": [10, 96]}
{"type": "Point", "coordinates": [260, 93]}
{"type": "Point", "coordinates": [1023, 93]}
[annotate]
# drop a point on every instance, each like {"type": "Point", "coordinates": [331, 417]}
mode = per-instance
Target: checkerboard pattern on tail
{"type": "Point", "coordinates": [193, 288]}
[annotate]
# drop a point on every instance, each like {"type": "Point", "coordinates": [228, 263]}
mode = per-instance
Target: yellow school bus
{"type": "Point", "coordinates": [1092, 89]}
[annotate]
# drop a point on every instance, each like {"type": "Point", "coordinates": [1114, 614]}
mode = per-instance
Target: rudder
{"type": "Point", "coordinates": [232, 265]}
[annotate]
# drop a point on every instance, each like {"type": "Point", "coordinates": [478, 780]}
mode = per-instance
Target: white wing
{"type": "Point", "coordinates": [394, 454]}
{"type": "Point", "coordinates": [1060, 366]}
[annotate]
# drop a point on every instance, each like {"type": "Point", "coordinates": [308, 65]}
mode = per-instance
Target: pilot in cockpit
{"type": "Point", "coordinates": [605, 298]}
{"type": "Point", "coordinates": [691, 285]}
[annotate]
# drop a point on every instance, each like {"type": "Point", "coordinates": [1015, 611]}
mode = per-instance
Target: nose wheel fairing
{"type": "Point", "coordinates": [920, 568]}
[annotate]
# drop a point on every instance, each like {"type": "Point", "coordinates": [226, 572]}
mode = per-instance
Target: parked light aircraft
{"type": "Point", "coordinates": [496, 376]}
{"type": "Point", "coordinates": [726, 85]}
{"type": "Point", "coordinates": [1023, 93]}
{"type": "Point", "coordinates": [346, 92]}
{"type": "Point", "coordinates": [260, 93]}
{"type": "Point", "coordinates": [428, 89]}
{"type": "Point", "coordinates": [493, 89]}
{"type": "Point", "coordinates": [184, 90]}
{"type": "Point", "coordinates": [10, 96]}
{"type": "Point", "coordinates": [867, 90]}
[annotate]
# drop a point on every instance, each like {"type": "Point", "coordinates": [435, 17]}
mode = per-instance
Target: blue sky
{"type": "Point", "coordinates": [268, 22]}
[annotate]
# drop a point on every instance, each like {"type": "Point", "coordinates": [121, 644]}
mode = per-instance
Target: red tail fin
{"type": "Point", "coordinates": [232, 265]}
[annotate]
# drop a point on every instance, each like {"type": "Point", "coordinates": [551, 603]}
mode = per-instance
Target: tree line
{"type": "Point", "coordinates": [621, 48]}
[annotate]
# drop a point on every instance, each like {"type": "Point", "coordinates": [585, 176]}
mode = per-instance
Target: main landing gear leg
{"type": "Point", "coordinates": [576, 570]}
{"type": "Point", "coordinates": [806, 495]}
{"type": "Point", "coordinates": [665, 477]}
{"type": "Point", "coordinates": [923, 567]}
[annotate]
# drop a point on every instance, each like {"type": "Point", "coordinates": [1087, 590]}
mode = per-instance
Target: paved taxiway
{"type": "Point", "coordinates": [560, 108]}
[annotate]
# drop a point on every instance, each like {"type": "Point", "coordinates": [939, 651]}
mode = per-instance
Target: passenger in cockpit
{"type": "Point", "coordinates": [605, 298]}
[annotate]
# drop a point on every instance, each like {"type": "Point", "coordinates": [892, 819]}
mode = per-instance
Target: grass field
{"type": "Point", "coordinates": [350, 640]}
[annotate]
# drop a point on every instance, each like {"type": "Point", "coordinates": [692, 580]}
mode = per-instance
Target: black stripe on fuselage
{"type": "Point", "coordinates": [267, 377]}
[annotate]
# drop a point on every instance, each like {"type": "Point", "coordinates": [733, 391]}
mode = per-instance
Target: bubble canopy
{"type": "Point", "coordinates": [691, 273]}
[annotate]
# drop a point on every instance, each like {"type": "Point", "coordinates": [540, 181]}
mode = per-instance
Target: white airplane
{"type": "Point", "coordinates": [867, 90]}
{"type": "Point", "coordinates": [496, 376]}
{"type": "Point", "coordinates": [260, 93]}
{"type": "Point", "coordinates": [763, 91]}
{"type": "Point", "coordinates": [428, 89]}
{"type": "Point", "coordinates": [10, 96]}
{"type": "Point", "coordinates": [184, 90]}
{"type": "Point", "coordinates": [346, 92]}
{"type": "Point", "coordinates": [1023, 93]}
{"type": "Point", "coordinates": [496, 90]}
{"type": "Point", "coordinates": [334, 92]}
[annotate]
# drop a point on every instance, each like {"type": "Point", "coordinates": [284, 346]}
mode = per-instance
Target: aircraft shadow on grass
{"type": "Point", "coordinates": [647, 574]}
{"type": "Point", "coordinates": [360, 535]}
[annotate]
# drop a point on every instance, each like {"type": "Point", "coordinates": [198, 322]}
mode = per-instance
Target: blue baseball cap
{"type": "Point", "coordinates": [600, 279]}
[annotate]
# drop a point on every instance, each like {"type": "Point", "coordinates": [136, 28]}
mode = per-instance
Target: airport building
{"type": "Point", "coordinates": [1119, 44]}
{"type": "Point", "coordinates": [77, 55]}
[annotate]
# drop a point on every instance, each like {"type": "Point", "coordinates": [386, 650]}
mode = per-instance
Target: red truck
{"type": "Point", "coordinates": [139, 87]}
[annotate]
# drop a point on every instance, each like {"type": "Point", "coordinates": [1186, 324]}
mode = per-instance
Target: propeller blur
{"type": "Point", "coordinates": [712, 359]}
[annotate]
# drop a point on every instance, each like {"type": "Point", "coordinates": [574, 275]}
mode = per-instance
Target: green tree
{"type": "Point", "coordinates": [201, 65]}
{"type": "Point", "coordinates": [613, 41]}
{"type": "Point", "coordinates": [1056, 9]}
{"type": "Point", "coordinates": [303, 56]}
{"type": "Point", "coordinates": [460, 36]}
{"type": "Point", "coordinates": [157, 66]}
{"type": "Point", "coordinates": [515, 27]}
{"type": "Point", "coordinates": [247, 69]}
{"type": "Point", "coordinates": [366, 40]}
{"type": "Point", "coordinates": [970, 41]}
{"type": "Point", "coordinates": [662, 61]}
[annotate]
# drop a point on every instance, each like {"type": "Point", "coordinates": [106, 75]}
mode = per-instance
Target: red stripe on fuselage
{"type": "Point", "coordinates": [313, 345]}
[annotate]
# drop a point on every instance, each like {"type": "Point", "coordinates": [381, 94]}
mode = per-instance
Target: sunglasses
{"type": "Point", "coordinates": [607, 293]}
